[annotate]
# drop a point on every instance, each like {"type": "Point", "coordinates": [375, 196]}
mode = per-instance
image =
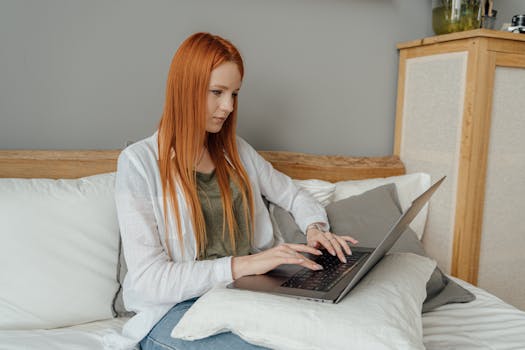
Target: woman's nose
{"type": "Point", "coordinates": [227, 104]}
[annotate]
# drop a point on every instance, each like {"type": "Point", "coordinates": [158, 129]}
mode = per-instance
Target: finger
{"type": "Point", "coordinates": [349, 239]}
{"type": "Point", "coordinates": [300, 261]}
{"type": "Point", "coordinates": [331, 238]}
{"type": "Point", "coordinates": [312, 265]}
{"type": "Point", "coordinates": [290, 260]}
{"type": "Point", "coordinates": [304, 248]}
{"type": "Point", "coordinates": [344, 245]}
{"type": "Point", "coordinates": [287, 252]}
{"type": "Point", "coordinates": [313, 244]}
{"type": "Point", "coordinates": [325, 242]}
{"type": "Point", "coordinates": [337, 247]}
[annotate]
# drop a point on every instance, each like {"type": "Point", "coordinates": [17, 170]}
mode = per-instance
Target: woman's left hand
{"type": "Point", "coordinates": [333, 243]}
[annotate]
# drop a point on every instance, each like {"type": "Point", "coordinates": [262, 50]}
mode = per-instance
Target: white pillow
{"type": "Point", "coordinates": [58, 252]}
{"type": "Point", "coordinates": [382, 312]}
{"type": "Point", "coordinates": [322, 191]}
{"type": "Point", "coordinates": [408, 188]}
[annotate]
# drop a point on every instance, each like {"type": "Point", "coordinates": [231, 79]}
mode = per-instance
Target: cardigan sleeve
{"type": "Point", "coordinates": [152, 277]}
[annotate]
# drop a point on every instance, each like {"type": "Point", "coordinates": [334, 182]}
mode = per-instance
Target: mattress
{"type": "Point", "coordinates": [485, 323]}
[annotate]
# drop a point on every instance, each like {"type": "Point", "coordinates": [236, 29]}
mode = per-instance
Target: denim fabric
{"type": "Point", "coordinates": [159, 337]}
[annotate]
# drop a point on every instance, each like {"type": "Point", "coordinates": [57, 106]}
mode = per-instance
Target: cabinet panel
{"type": "Point", "coordinates": [431, 129]}
{"type": "Point", "coordinates": [503, 232]}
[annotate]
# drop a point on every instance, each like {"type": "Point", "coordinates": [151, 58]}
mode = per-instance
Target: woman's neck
{"type": "Point", "coordinates": [205, 164]}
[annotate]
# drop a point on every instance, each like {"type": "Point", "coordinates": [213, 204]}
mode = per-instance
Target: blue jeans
{"type": "Point", "coordinates": [159, 337]}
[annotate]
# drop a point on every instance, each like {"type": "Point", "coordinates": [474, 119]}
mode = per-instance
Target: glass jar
{"type": "Point", "coordinates": [455, 15]}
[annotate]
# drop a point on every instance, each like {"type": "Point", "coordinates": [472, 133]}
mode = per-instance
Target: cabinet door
{"type": "Point", "coordinates": [502, 247]}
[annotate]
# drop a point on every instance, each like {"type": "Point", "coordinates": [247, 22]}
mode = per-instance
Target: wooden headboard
{"type": "Point", "coordinates": [75, 164]}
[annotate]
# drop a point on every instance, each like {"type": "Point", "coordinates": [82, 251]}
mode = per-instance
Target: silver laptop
{"type": "Point", "coordinates": [336, 279]}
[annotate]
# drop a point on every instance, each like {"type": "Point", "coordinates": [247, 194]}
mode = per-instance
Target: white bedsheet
{"type": "Point", "coordinates": [486, 323]}
{"type": "Point", "coordinates": [82, 337]}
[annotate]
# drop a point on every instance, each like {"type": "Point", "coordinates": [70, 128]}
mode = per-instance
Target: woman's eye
{"type": "Point", "coordinates": [216, 92]}
{"type": "Point", "coordinates": [235, 94]}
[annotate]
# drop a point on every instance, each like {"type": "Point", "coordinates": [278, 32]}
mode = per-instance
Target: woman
{"type": "Point", "coordinates": [189, 201]}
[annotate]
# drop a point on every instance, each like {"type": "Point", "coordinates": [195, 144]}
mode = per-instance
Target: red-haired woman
{"type": "Point", "coordinates": [189, 201]}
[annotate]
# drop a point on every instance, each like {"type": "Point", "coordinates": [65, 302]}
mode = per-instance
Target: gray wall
{"type": "Point", "coordinates": [506, 9]}
{"type": "Point", "coordinates": [320, 74]}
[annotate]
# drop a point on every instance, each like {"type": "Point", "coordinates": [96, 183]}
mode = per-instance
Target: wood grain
{"type": "Point", "coordinates": [400, 101]}
{"type": "Point", "coordinates": [485, 33]}
{"type": "Point", "coordinates": [56, 164]}
{"type": "Point", "coordinates": [472, 165]}
{"type": "Point", "coordinates": [74, 164]}
{"type": "Point", "coordinates": [333, 168]}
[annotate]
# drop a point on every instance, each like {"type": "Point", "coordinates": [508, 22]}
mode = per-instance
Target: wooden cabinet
{"type": "Point", "coordinates": [461, 113]}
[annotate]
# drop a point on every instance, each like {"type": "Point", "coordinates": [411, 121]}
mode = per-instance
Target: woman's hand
{"type": "Point", "coordinates": [333, 243]}
{"type": "Point", "coordinates": [286, 253]}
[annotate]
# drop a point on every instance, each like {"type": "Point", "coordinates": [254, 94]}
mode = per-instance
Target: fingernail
{"type": "Point", "coordinates": [319, 252]}
{"type": "Point", "coordinates": [333, 253]}
{"type": "Point", "coordinates": [318, 267]}
{"type": "Point", "coordinates": [344, 260]}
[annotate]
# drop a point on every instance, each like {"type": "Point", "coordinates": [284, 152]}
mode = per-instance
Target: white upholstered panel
{"type": "Point", "coordinates": [503, 233]}
{"type": "Point", "coordinates": [431, 129]}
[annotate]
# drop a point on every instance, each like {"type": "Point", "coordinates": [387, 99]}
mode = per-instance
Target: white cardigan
{"type": "Point", "coordinates": [154, 283]}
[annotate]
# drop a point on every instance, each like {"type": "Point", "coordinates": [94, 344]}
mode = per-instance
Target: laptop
{"type": "Point", "coordinates": [337, 279]}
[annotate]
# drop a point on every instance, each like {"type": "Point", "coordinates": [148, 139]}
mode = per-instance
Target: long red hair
{"type": "Point", "coordinates": [182, 135]}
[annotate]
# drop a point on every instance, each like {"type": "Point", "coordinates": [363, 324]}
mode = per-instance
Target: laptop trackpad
{"type": "Point", "coordinates": [267, 282]}
{"type": "Point", "coordinates": [261, 283]}
{"type": "Point", "coordinates": [284, 270]}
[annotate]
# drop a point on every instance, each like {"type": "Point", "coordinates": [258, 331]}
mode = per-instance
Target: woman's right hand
{"type": "Point", "coordinates": [286, 253]}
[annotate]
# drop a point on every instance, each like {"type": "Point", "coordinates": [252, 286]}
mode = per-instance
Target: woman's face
{"type": "Point", "coordinates": [225, 82]}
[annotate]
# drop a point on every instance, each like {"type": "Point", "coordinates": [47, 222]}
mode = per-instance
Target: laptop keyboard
{"type": "Point", "coordinates": [323, 280]}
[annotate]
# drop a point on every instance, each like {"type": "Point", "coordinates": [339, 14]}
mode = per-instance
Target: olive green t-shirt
{"type": "Point", "coordinates": [218, 245]}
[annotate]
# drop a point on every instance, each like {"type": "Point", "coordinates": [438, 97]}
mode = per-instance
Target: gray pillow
{"type": "Point", "coordinates": [118, 304]}
{"type": "Point", "coordinates": [367, 217]}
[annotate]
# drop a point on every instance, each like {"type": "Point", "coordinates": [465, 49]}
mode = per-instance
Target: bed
{"type": "Point", "coordinates": [485, 323]}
